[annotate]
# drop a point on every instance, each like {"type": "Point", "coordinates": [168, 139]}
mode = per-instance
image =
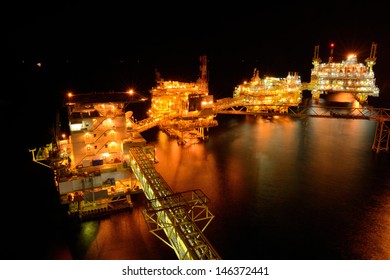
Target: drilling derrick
{"type": "Point", "coordinates": [203, 80]}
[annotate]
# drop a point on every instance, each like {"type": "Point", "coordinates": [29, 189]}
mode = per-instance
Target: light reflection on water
{"type": "Point", "coordinates": [284, 188]}
{"type": "Point", "coordinates": [280, 189]}
{"type": "Point", "coordinates": [123, 236]}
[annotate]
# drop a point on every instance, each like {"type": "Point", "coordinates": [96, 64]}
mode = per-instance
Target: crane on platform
{"type": "Point", "coordinates": [371, 60]}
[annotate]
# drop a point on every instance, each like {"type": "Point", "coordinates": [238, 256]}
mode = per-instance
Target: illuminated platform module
{"type": "Point", "coordinates": [348, 76]}
{"type": "Point", "coordinates": [269, 93]}
{"type": "Point", "coordinates": [183, 109]}
{"type": "Point", "coordinates": [92, 165]}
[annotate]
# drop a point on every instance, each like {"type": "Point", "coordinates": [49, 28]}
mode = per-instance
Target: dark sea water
{"type": "Point", "coordinates": [280, 189]}
{"type": "Point", "coordinates": [288, 188]}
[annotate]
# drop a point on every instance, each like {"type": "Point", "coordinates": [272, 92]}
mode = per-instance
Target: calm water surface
{"type": "Point", "coordinates": [279, 189]}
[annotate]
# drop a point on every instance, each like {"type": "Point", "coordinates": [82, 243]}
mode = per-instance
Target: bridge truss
{"type": "Point", "coordinates": [178, 219]}
{"type": "Point", "coordinates": [380, 115]}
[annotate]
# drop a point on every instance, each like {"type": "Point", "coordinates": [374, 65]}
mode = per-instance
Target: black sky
{"type": "Point", "coordinates": [109, 46]}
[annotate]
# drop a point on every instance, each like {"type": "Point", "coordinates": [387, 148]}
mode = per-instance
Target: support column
{"type": "Point", "coordinates": [381, 138]}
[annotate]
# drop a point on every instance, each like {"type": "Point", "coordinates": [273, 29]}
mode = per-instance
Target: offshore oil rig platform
{"type": "Point", "coordinates": [269, 93]}
{"type": "Point", "coordinates": [105, 160]}
{"type": "Point", "coordinates": [183, 109]}
{"type": "Point", "coordinates": [348, 76]}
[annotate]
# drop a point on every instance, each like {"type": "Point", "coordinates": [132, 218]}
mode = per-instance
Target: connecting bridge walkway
{"type": "Point", "coordinates": [178, 219]}
{"type": "Point", "coordinates": [239, 106]}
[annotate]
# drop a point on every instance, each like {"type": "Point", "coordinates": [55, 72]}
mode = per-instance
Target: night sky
{"type": "Point", "coordinates": [93, 47]}
{"type": "Point", "coordinates": [109, 46]}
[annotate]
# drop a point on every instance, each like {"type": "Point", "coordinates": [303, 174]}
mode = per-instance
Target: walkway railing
{"type": "Point", "coordinates": [173, 217]}
{"type": "Point", "coordinates": [380, 115]}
